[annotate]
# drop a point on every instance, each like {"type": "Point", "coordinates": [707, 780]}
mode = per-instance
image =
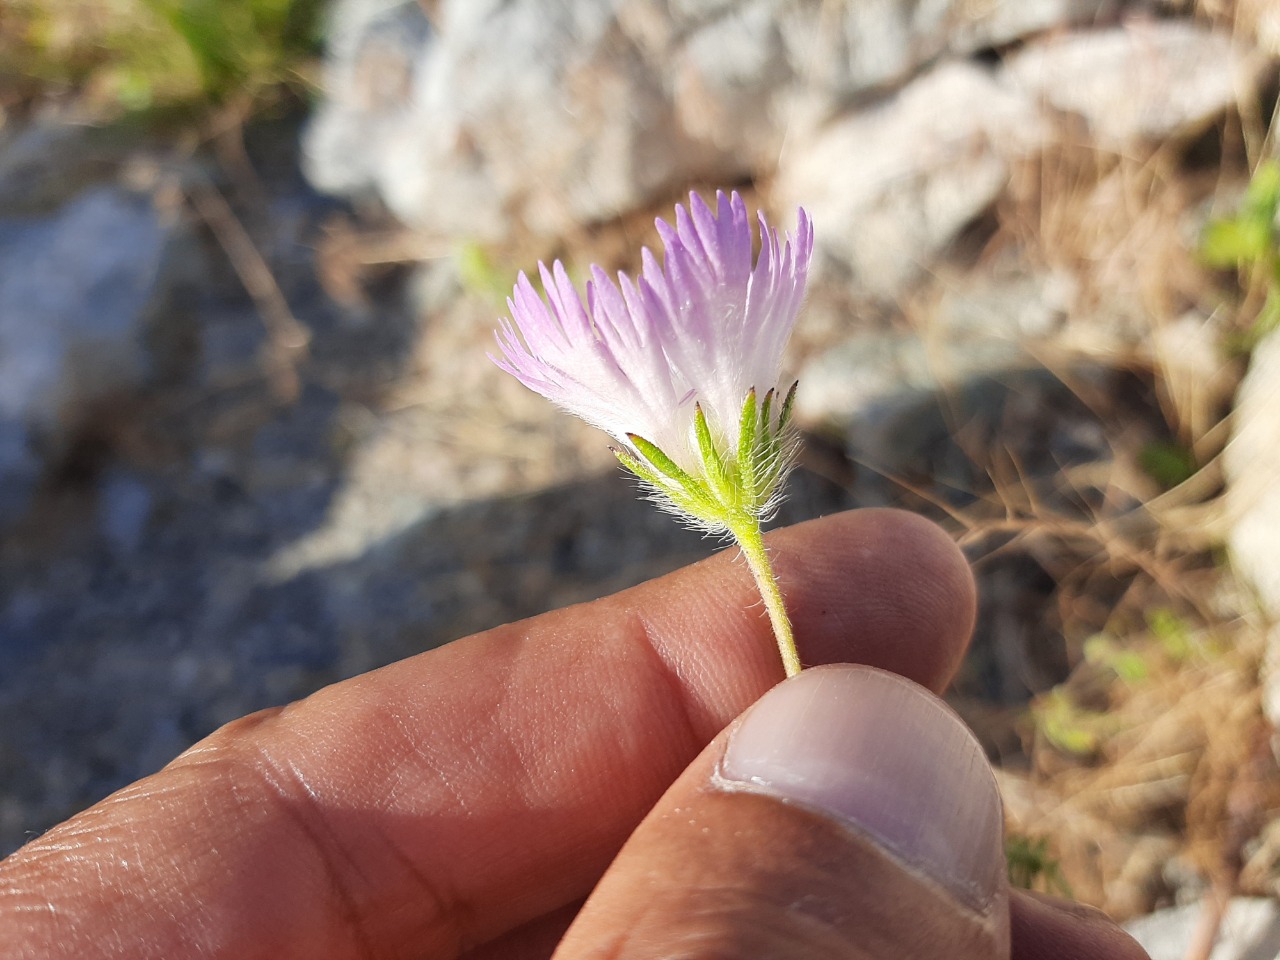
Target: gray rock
{"type": "Point", "coordinates": [45, 163]}
{"type": "Point", "coordinates": [891, 399]}
{"type": "Point", "coordinates": [77, 293]}
{"type": "Point", "coordinates": [546, 116]}
{"type": "Point", "coordinates": [890, 187]}
{"type": "Point", "coordinates": [19, 470]}
{"type": "Point", "coordinates": [124, 506]}
{"type": "Point", "coordinates": [1250, 930]}
{"type": "Point", "coordinates": [978, 326]}
{"type": "Point", "coordinates": [1146, 81]}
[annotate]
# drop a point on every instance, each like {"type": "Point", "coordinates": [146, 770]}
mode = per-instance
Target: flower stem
{"type": "Point", "coordinates": [751, 541]}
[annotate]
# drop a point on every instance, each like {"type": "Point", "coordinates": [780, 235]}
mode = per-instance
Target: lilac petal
{"type": "Point", "coordinates": [571, 305]}
{"type": "Point", "coordinates": [733, 236]}
{"type": "Point", "coordinates": [688, 233]}
{"type": "Point", "coordinates": [613, 321]}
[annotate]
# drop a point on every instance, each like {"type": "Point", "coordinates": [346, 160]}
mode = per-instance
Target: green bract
{"type": "Point", "coordinates": [734, 486]}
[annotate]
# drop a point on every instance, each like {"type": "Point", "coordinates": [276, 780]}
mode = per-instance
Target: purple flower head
{"type": "Point", "coordinates": [681, 366]}
{"type": "Point", "coordinates": [701, 331]}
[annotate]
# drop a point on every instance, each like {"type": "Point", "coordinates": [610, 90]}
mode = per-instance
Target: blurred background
{"type": "Point", "coordinates": [252, 252]}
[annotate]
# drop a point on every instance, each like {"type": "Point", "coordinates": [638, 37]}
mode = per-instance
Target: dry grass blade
{"type": "Point", "coordinates": [287, 338]}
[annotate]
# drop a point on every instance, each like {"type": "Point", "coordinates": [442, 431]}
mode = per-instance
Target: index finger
{"type": "Point", "coordinates": [439, 802]}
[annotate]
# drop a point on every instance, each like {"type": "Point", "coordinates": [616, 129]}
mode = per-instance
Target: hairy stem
{"type": "Point", "coordinates": [751, 541]}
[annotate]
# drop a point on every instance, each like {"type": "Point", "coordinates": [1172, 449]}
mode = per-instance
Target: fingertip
{"type": "Point", "coordinates": [878, 586]}
{"type": "Point", "coordinates": [847, 815]}
{"type": "Point", "coordinates": [876, 752]}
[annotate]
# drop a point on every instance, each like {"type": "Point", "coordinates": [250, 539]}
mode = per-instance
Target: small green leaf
{"type": "Point", "coordinates": [712, 462]}
{"type": "Point", "coordinates": [664, 464]}
{"type": "Point", "coordinates": [1262, 198]}
{"type": "Point", "coordinates": [1269, 317]}
{"type": "Point", "coordinates": [694, 504]}
{"type": "Point", "coordinates": [1172, 632]}
{"type": "Point", "coordinates": [480, 275]}
{"type": "Point", "coordinates": [638, 468]}
{"type": "Point", "coordinates": [1031, 865]}
{"type": "Point", "coordinates": [1168, 464]}
{"type": "Point", "coordinates": [1129, 665]}
{"type": "Point", "coordinates": [771, 455]}
{"type": "Point", "coordinates": [1066, 726]}
{"type": "Point", "coordinates": [1230, 243]}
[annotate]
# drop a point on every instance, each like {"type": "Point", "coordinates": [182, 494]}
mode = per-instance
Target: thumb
{"type": "Point", "coordinates": [848, 814]}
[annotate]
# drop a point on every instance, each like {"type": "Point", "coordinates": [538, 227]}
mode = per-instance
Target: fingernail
{"type": "Point", "coordinates": [885, 757]}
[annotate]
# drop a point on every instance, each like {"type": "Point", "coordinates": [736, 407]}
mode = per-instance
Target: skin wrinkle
{"type": "Point", "coordinates": [452, 912]}
{"type": "Point", "coordinates": [668, 673]}
{"type": "Point", "coordinates": [628, 632]}
{"type": "Point", "coordinates": [303, 808]}
{"type": "Point", "coordinates": [286, 801]}
{"type": "Point", "coordinates": [220, 763]}
{"type": "Point", "coordinates": [449, 914]}
{"type": "Point", "coordinates": [92, 840]}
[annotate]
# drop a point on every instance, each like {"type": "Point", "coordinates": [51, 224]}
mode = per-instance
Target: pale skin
{"type": "Point", "coordinates": [464, 802]}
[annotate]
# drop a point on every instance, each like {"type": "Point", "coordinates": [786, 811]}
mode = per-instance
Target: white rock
{"type": "Point", "coordinates": [1250, 930]}
{"type": "Point", "coordinates": [367, 122]}
{"type": "Point", "coordinates": [1145, 81]}
{"type": "Point", "coordinates": [889, 187]}
{"type": "Point", "coordinates": [549, 115]}
{"type": "Point", "coordinates": [785, 65]}
{"type": "Point", "coordinates": [514, 113]}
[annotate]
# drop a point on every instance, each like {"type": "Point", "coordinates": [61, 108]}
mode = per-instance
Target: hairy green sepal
{"type": "Point", "coordinates": [731, 487]}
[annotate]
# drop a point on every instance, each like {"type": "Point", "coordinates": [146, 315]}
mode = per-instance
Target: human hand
{"type": "Point", "coordinates": [462, 803]}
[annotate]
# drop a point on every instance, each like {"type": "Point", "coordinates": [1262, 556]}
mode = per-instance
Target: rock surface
{"type": "Point", "coordinates": [892, 185]}
{"type": "Point", "coordinates": [1250, 931]}
{"type": "Point", "coordinates": [502, 116]}
{"type": "Point", "coordinates": [1176, 79]}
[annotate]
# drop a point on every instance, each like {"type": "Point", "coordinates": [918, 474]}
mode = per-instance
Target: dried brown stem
{"type": "Point", "coordinates": [287, 337]}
